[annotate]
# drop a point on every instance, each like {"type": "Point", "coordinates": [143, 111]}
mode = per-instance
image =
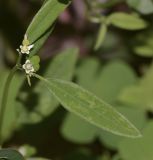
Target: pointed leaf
{"type": "Point", "coordinates": [101, 36]}
{"type": "Point", "coordinates": [45, 18]}
{"type": "Point", "coordinates": [127, 21]}
{"type": "Point", "coordinates": [86, 105]}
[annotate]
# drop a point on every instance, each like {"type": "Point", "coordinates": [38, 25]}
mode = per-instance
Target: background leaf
{"type": "Point", "coordinates": [127, 21]}
{"type": "Point", "coordinates": [106, 81]}
{"type": "Point", "coordinates": [101, 36]}
{"type": "Point", "coordinates": [141, 149]}
{"type": "Point", "coordinates": [145, 7]}
{"type": "Point", "coordinates": [70, 129]}
{"type": "Point", "coordinates": [140, 95]}
{"type": "Point", "coordinates": [10, 115]}
{"type": "Point", "coordinates": [10, 154]}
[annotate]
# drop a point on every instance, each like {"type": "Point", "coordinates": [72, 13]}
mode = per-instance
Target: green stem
{"type": "Point", "coordinates": [5, 96]}
{"type": "Point", "coordinates": [40, 77]}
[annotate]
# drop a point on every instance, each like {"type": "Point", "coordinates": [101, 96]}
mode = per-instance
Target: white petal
{"type": "Point", "coordinates": [24, 66]}
{"type": "Point", "coordinates": [32, 70]}
{"type": "Point", "coordinates": [30, 47]}
{"type": "Point", "coordinates": [27, 52]}
{"type": "Point", "coordinates": [27, 71]}
{"type": "Point", "coordinates": [27, 61]}
{"type": "Point", "coordinates": [18, 50]}
{"type": "Point", "coordinates": [22, 51]}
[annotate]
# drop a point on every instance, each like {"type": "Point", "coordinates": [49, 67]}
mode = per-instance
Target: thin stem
{"type": "Point", "coordinates": [5, 96]}
{"type": "Point", "coordinates": [40, 77]}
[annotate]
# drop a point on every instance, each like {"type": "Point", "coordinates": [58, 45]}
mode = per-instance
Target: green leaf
{"type": "Point", "coordinates": [40, 42]}
{"type": "Point", "coordinates": [144, 50]}
{"type": "Point", "coordinates": [127, 21]}
{"type": "Point", "coordinates": [10, 154]}
{"type": "Point", "coordinates": [86, 133]}
{"type": "Point", "coordinates": [45, 18]}
{"type": "Point", "coordinates": [140, 95]}
{"type": "Point", "coordinates": [144, 44]}
{"type": "Point", "coordinates": [10, 115]}
{"type": "Point", "coordinates": [41, 103]}
{"type": "Point", "coordinates": [143, 6]}
{"type": "Point", "coordinates": [27, 150]}
{"type": "Point", "coordinates": [35, 60]}
{"type": "Point", "coordinates": [107, 81]}
{"type": "Point", "coordinates": [138, 149]}
{"type": "Point", "coordinates": [86, 105]}
{"type": "Point", "coordinates": [136, 116]}
{"type": "Point", "coordinates": [133, 3]}
{"type": "Point", "coordinates": [101, 36]}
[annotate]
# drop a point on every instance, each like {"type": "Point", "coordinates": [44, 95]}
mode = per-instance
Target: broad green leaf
{"type": "Point", "coordinates": [41, 103]}
{"type": "Point", "coordinates": [143, 6]}
{"type": "Point", "coordinates": [45, 18]}
{"type": "Point", "coordinates": [107, 81]}
{"type": "Point", "coordinates": [138, 149]}
{"type": "Point", "coordinates": [10, 115]}
{"type": "Point", "coordinates": [101, 36]}
{"type": "Point", "coordinates": [86, 105]}
{"type": "Point", "coordinates": [140, 95]}
{"type": "Point", "coordinates": [10, 154]}
{"type": "Point", "coordinates": [127, 21]}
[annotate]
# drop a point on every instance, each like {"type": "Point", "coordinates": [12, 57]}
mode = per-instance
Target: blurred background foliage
{"type": "Point", "coordinates": [119, 70]}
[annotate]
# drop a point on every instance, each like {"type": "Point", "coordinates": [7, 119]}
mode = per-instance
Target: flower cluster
{"type": "Point", "coordinates": [25, 49]}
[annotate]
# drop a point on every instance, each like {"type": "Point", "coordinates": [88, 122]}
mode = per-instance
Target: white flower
{"type": "Point", "coordinates": [28, 67]}
{"type": "Point", "coordinates": [25, 47]}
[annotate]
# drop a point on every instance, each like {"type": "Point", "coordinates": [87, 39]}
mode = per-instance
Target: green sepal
{"type": "Point", "coordinates": [35, 60]}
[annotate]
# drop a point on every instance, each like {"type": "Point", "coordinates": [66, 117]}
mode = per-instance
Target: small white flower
{"type": "Point", "coordinates": [28, 67]}
{"type": "Point", "coordinates": [25, 47]}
